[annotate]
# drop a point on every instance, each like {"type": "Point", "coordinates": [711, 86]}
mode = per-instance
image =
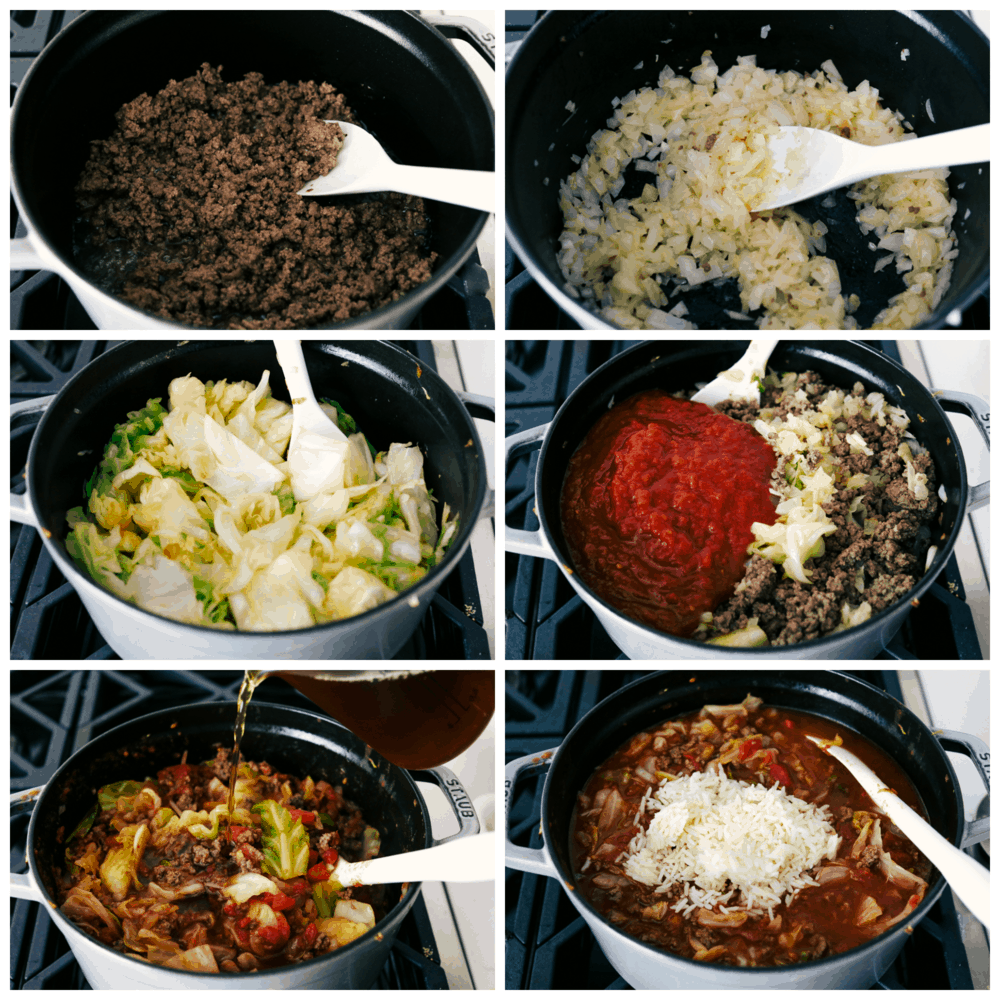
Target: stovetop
{"type": "Point", "coordinates": [48, 620]}
{"type": "Point", "coordinates": [546, 619]}
{"type": "Point", "coordinates": [54, 714]}
{"type": "Point", "coordinates": [528, 307]}
{"type": "Point", "coordinates": [41, 300]}
{"type": "Point", "coordinates": [549, 945]}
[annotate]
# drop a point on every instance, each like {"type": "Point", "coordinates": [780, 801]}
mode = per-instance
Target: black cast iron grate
{"type": "Point", "coordinates": [41, 300]}
{"type": "Point", "coordinates": [545, 619]}
{"type": "Point", "coordinates": [48, 620]}
{"type": "Point", "coordinates": [54, 714]}
{"type": "Point", "coordinates": [549, 945]}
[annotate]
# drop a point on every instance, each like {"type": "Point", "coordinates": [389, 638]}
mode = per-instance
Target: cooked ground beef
{"type": "Point", "coordinates": [877, 562]}
{"type": "Point", "coordinates": [192, 211]}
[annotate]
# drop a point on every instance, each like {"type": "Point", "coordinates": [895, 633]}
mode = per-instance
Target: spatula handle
{"type": "Point", "coordinates": [471, 859]}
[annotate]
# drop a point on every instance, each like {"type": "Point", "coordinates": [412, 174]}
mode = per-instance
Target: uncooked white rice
{"type": "Point", "coordinates": [732, 845]}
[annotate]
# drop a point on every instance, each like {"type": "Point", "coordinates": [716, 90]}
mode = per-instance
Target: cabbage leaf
{"type": "Point", "coordinates": [285, 842]}
{"type": "Point", "coordinates": [120, 867]}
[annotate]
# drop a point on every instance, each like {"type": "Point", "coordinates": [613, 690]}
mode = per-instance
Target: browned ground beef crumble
{"type": "Point", "coordinates": [199, 184]}
{"type": "Point", "coordinates": [892, 557]}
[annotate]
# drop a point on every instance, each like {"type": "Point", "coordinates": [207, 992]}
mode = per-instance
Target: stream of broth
{"type": "Point", "coordinates": [415, 719]}
{"type": "Point", "coordinates": [251, 680]}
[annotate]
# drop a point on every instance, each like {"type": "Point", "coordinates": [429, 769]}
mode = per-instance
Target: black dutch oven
{"type": "Point", "coordinates": [403, 79]}
{"type": "Point", "coordinates": [591, 57]}
{"type": "Point", "coordinates": [850, 703]}
{"type": "Point", "coordinates": [293, 741]}
{"type": "Point", "coordinates": [680, 365]}
{"type": "Point", "coordinates": [382, 386]}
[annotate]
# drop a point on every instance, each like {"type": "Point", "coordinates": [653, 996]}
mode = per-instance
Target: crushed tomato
{"type": "Point", "coordinates": [657, 507]}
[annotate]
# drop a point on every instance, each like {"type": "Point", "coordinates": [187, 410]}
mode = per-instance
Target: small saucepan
{"type": "Point", "coordinates": [292, 740]}
{"type": "Point", "coordinates": [850, 703]}
{"type": "Point", "coordinates": [680, 365]}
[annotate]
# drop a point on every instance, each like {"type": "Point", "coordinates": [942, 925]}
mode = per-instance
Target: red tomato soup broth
{"type": "Point", "coordinates": [657, 507]}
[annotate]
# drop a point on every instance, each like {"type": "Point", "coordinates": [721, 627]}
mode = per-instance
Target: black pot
{"type": "Point", "coordinates": [403, 78]}
{"type": "Point", "coordinates": [383, 387]}
{"type": "Point", "coordinates": [591, 57]}
{"type": "Point", "coordinates": [679, 365]}
{"type": "Point", "coordinates": [292, 740]}
{"type": "Point", "coordinates": [845, 700]}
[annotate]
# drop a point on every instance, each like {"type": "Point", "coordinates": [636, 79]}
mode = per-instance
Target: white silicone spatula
{"type": "Point", "coordinates": [969, 879]}
{"type": "Point", "coordinates": [364, 166]}
{"type": "Point", "coordinates": [742, 381]}
{"type": "Point", "coordinates": [810, 161]}
{"type": "Point", "coordinates": [317, 451]}
{"type": "Point", "coordinates": [471, 859]}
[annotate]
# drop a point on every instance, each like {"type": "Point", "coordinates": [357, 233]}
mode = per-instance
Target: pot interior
{"type": "Point", "coordinates": [377, 383]}
{"type": "Point", "coordinates": [403, 79]}
{"type": "Point", "coordinates": [841, 698]}
{"type": "Point", "coordinates": [680, 365]}
{"type": "Point", "coordinates": [291, 740]}
{"type": "Point", "coordinates": [591, 57]}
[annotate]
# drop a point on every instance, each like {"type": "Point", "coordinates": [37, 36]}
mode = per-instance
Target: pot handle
{"type": "Point", "coordinates": [483, 408]}
{"type": "Point", "coordinates": [458, 797]}
{"type": "Point", "coordinates": [20, 507]}
{"type": "Point", "coordinates": [23, 886]}
{"type": "Point", "coordinates": [525, 859]}
{"type": "Point", "coordinates": [979, 411]}
{"type": "Point", "coordinates": [477, 35]}
{"type": "Point", "coordinates": [24, 256]}
{"type": "Point", "coordinates": [527, 543]}
{"type": "Point", "coordinates": [979, 753]}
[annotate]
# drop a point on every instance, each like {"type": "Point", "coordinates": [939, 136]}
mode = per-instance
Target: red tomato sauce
{"type": "Point", "coordinates": [657, 506]}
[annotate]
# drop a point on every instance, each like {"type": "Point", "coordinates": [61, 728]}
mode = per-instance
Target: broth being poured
{"type": "Point", "coordinates": [414, 718]}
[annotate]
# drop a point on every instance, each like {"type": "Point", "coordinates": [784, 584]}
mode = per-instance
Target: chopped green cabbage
{"type": "Point", "coordinates": [119, 872]}
{"type": "Point", "coordinates": [246, 885]}
{"type": "Point", "coordinates": [804, 443]}
{"type": "Point", "coordinates": [285, 843]}
{"type": "Point", "coordinates": [190, 514]}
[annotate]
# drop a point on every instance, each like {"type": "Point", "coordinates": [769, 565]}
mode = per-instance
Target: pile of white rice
{"type": "Point", "coordinates": [703, 143]}
{"type": "Point", "coordinates": [731, 845]}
